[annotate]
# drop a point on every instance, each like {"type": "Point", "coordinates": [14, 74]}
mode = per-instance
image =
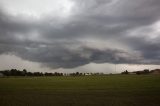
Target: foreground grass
{"type": "Point", "coordinates": [112, 90]}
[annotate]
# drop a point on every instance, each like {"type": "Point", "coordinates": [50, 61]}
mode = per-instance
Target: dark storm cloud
{"type": "Point", "coordinates": [56, 42]}
{"type": "Point", "coordinates": [58, 56]}
{"type": "Point", "coordinates": [148, 48]}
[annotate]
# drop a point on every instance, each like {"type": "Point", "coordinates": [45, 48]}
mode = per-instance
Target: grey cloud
{"type": "Point", "coordinates": [102, 19]}
{"type": "Point", "coordinates": [150, 49]}
{"type": "Point", "coordinates": [64, 57]}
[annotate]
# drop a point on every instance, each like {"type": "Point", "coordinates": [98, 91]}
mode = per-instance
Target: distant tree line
{"type": "Point", "coordinates": [145, 71]}
{"type": "Point", "coordinates": [15, 72]}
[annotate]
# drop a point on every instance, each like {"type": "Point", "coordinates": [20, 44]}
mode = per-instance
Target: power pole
{"type": "Point", "coordinates": [115, 68]}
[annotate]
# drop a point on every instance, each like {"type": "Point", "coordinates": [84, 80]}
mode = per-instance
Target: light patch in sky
{"type": "Point", "coordinates": [11, 61]}
{"type": "Point", "coordinates": [152, 31]}
{"type": "Point", "coordinates": [38, 8]}
{"type": "Point", "coordinates": [102, 44]}
{"type": "Point", "coordinates": [156, 28]}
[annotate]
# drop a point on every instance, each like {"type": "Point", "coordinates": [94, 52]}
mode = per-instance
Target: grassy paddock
{"type": "Point", "coordinates": [111, 90]}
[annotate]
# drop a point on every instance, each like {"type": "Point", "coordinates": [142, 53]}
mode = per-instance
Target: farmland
{"type": "Point", "coordinates": [109, 90]}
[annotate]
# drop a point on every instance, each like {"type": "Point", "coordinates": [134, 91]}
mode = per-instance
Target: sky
{"type": "Point", "coordinates": [107, 36]}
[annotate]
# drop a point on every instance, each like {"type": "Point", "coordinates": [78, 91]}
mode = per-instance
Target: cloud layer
{"type": "Point", "coordinates": [92, 31]}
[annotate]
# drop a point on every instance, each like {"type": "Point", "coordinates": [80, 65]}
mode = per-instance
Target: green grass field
{"type": "Point", "coordinates": [111, 90]}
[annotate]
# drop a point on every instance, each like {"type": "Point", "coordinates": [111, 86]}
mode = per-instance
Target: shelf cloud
{"type": "Point", "coordinates": [73, 33]}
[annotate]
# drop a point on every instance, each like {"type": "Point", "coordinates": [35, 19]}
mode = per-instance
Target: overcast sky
{"type": "Point", "coordinates": [79, 35]}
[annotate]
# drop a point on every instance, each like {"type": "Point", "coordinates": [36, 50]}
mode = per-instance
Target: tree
{"type": "Point", "coordinates": [125, 72]}
{"type": "Point", "coordinates": [146, 71]}
{"type": "Point", "coordinates": [24, 72]}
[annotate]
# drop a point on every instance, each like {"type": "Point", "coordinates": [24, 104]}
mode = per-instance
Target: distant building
{"type": "Point", "coordinates": [156, 71]}
{"type": "Point", "coordinates": [146, 71]}
{"type": "Point", "coordinates": [87, 74]}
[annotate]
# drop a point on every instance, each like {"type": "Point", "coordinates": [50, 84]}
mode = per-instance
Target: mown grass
{"type": "Point", "coordinates": [111, 90]}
